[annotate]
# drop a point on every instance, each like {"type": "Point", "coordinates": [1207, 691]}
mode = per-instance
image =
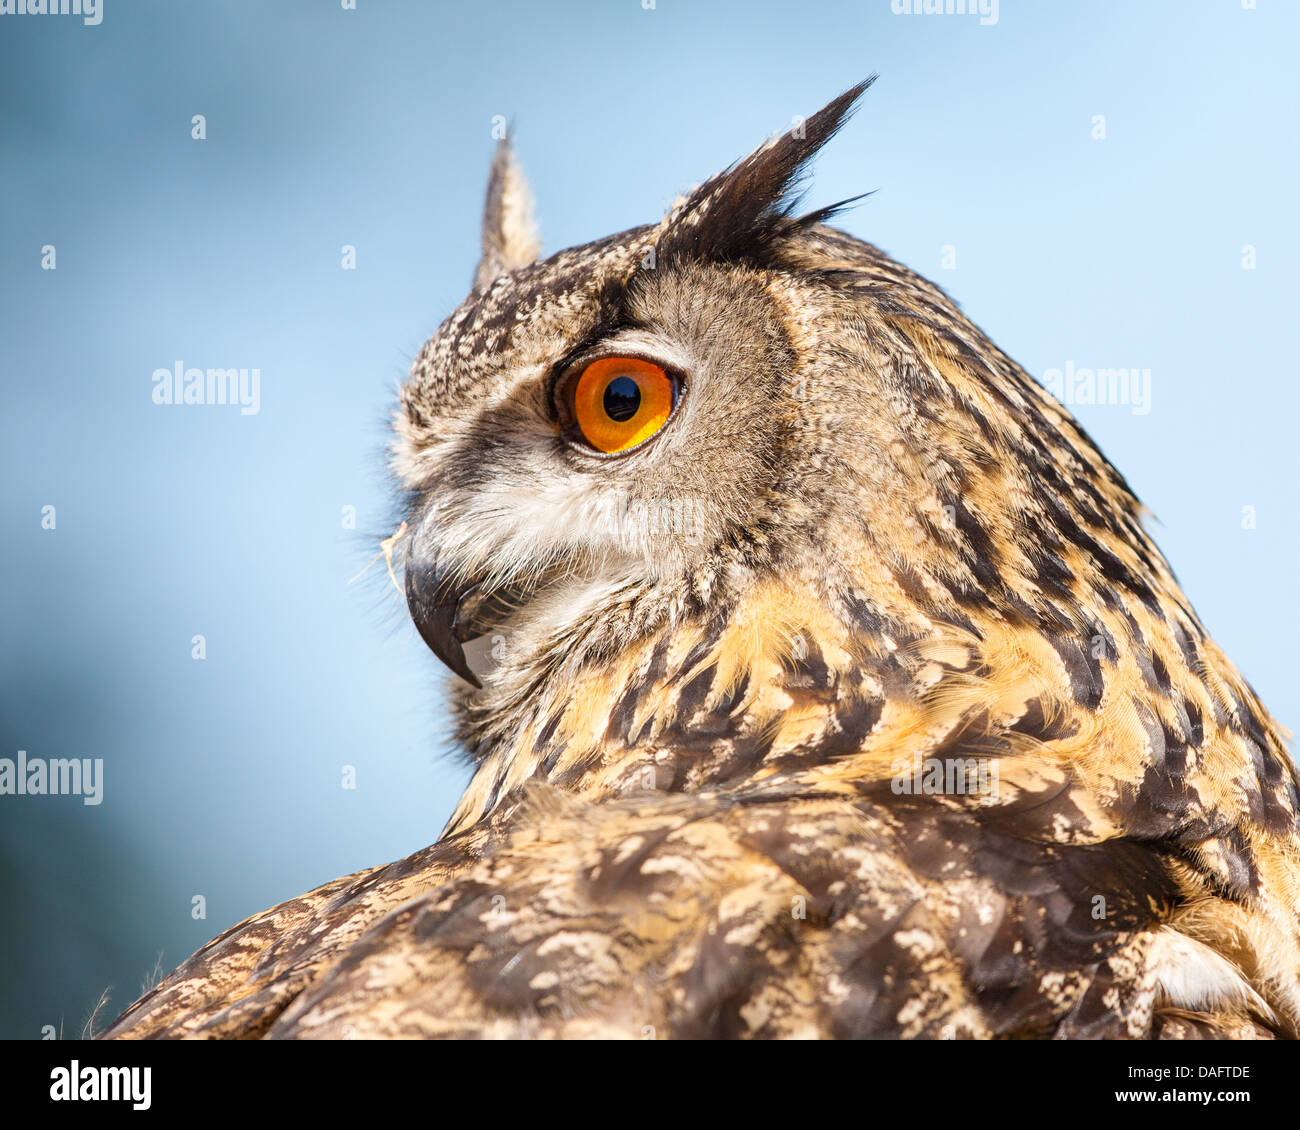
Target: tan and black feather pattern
{"type": "Point", "coordinates": [908, 732]}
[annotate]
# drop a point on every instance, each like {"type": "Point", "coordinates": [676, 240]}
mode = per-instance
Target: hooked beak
{"type": "Point", "coordinates": [435, 602]}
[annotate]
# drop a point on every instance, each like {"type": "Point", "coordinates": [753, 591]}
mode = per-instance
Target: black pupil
{"type": "Point", "coordinates": [622, 399]}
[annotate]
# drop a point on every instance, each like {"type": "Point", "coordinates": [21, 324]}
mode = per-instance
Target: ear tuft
{"type": "Point", "coordinates": [740, 213]}
{"type": "Point", "coordinates": [510, 237]}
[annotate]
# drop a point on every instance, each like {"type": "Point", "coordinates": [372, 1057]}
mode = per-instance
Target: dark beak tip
{"type": "Point", "coordinates": [433, 605]}
{"type": "Point", "coordinates": [465, 673]}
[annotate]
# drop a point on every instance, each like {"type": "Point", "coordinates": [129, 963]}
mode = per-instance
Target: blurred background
{"type": "Point", "coordinates": [1099, 185]}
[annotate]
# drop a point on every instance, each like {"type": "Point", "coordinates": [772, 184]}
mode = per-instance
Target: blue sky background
{"type": "Point", "coordinates": [372, 128]}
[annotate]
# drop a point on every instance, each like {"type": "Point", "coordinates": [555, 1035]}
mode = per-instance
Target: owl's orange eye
{"type": "Point", "coordinates": [619, 402]}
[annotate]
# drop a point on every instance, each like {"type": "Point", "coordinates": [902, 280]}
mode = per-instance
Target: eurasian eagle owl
{"type": "Point", "coordinates": [835, 688]}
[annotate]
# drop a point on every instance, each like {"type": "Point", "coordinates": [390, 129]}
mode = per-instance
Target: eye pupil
{"type": "Point", "coordinates": [622, 399]}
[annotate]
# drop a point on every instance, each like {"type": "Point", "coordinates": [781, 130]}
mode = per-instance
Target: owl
{"type": "Point", "coordinates": [818, 675]}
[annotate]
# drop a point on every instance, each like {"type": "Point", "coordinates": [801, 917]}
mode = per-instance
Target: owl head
{"type": "Point", "coordinates": [738, 421]}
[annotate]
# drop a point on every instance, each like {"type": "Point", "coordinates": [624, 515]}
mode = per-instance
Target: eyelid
{"type": "Point", "coordinates": [579, 364]}
{"type": "Point", "coordinates": [571, 370]}
{"type": "Point", "coordinates": [645, 345]}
